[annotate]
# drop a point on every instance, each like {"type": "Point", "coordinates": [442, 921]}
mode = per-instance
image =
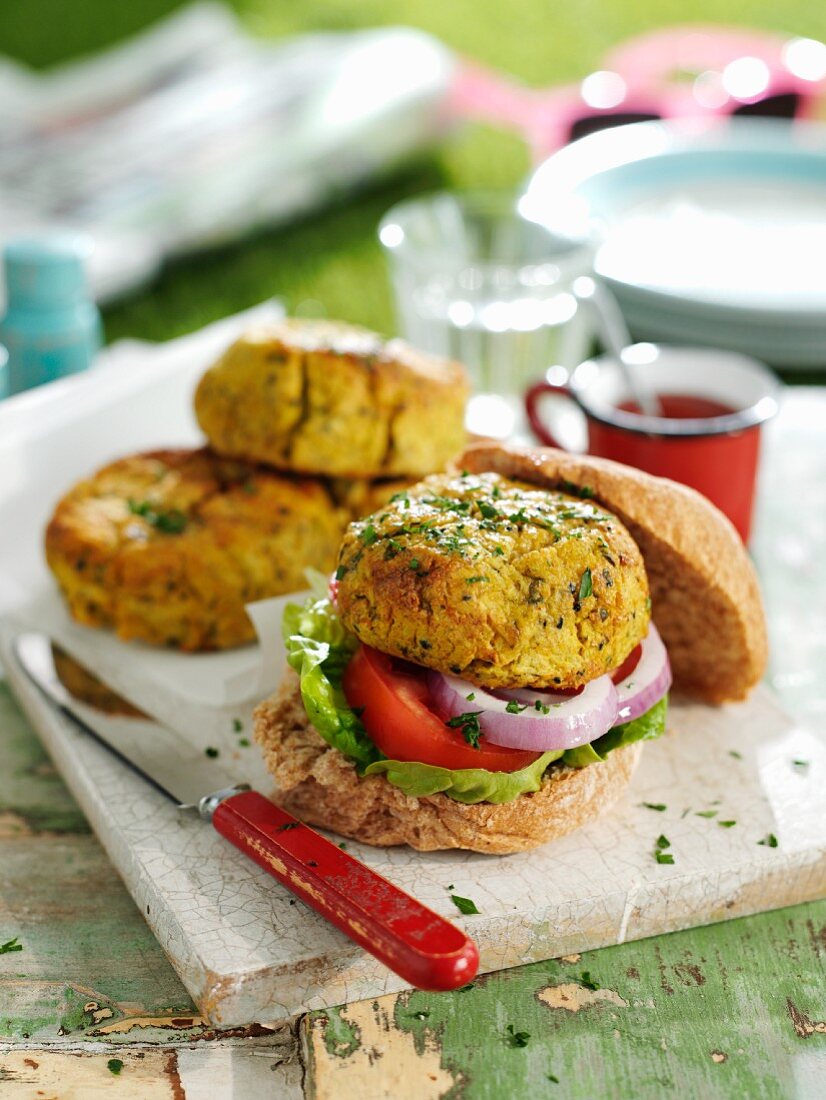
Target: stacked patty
{"type": "Point", "coordinates": [167, 547]}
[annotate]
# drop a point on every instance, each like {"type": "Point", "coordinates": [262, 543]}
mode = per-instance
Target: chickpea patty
{"type": "Point", "coordinates": [323, 397]}
{"type": "Point", "coordinates": [167, 547]}
{"type": "Point", "coordinates": [496, 581]}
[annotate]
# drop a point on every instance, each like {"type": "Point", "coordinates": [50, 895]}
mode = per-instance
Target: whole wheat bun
{"type": "Point", "coordinates": [321, 786]}
{"type": "Point", "coordinates": [705, 599]}
{"type": "Point", "coordinates": [707, 607]}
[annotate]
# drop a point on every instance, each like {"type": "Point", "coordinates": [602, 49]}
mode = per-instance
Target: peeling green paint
{"type": "Point", "coordinates": [341, 1038]}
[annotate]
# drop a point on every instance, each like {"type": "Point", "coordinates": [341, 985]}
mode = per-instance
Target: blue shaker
{"type": "Point", "coordinates": [51, 327]}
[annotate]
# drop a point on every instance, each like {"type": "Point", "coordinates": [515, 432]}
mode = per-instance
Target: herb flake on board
{"type": "Point", "coordinates": [464, 905]}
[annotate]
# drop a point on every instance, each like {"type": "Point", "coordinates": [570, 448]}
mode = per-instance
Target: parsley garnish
{"type": "Point", "coordinates": [369, 535]}
{"type": "Point", "coordinates": [655, 806]}
{"type": "Point", "coordinates": [211, 752]}
{"type": "Point", "coordinates": [770, 841]}
{"type": "Point", "coordinates": [474, 580]}
{"type": "Point", "coordinates": [287, 825]}
{"type": "Point", "coordinates": [237, 725]}
{"type": "Point", "coordinates": [468, 725]}
{"type": "Point", "coordinates": [802, 764]}
{"type": "Point", "coordinates": [737, 755]}
{"type": "Point", "coordinates": [487, 510]}
{"type": "Point", "coordinates": [660, 855]}
{"type": "Point", "coordinates": [391, 549]}
{"type": "Point", "coordinates": [587, 981]}
{"type": "Point", "coordinates": [402, 496]}
{"type": "Point", "coordinates": [515, 708]}
{"type": "Point", "coordinates": [585, 586]}
{"type": "Point", "coordinates": [114, 1065]}
{"type": "Point", "coordinates": [171, 522]}
{"type": "Point", "coordinates": [244, 742]}
{"type": "Point", "coordinates": [543, 708]}
{"type": "Point", "coordinates": [11, 945]}
{"type": "Point", "coordinates": [498, 550]}
{"type": "Point", "coordinates": [516, 1038]}
{"type": "Point", "coordinates": [471, 697]}
{"type": "Point", "coordinates": [706, 813]}
{"type": "Point", "coordinates": [726, 824]}
{"type": "Point", "coordinates": [464, 905]}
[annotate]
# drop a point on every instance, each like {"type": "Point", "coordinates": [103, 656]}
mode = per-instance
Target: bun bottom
{"type": "Point", "coordinates": [321, 786]}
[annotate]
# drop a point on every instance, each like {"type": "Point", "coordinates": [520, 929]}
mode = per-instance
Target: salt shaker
{"type": "Point", "coordinates": [51, 327]}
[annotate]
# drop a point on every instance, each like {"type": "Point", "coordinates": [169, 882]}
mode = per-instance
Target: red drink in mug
{"type": "Point", "coordinates": [712, 403]}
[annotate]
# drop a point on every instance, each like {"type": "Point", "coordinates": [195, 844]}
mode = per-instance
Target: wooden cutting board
{"type": "Point", "coordinates": [247, 951]}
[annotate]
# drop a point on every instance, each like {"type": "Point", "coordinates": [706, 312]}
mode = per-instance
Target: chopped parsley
{"type": "Point", "coordinates": [515, 708]}
{"type": "Point", "coordinates": [706, 813]}
{"type": "Point", "coordinates": [726, 824]}
{"type": "Point", "coordinates": [769, 841]}
{"type": "Point", "coordinates": [343, 846]}
{"type": "Point", "coordinates": [11, 945]}
{"type": "Point", "coordinates": [516, 1038]}
{"type": "Point", "coordinates": [801, 764]}
{"type": "Point", "coordinates": [287, 825]}
{"type": "Point", "coordinates": [585, 586]}
{"type": "Point", "coordinates": [464, 905]}
{"type": "Point", "coordinates": [487, 510]}
{"type": "Point", "coordinates": [237, 725]}
{"type": "Point", "coordinates": [585, 492]}
{"type": "Point", "coordinates": [737, 755]}
{"type": "Point", "coordinates": [391, 549]}
{"type": "Point", "coordinates": [543, 708]}
{"type": "Point", "coordinates": [211, 752]}
{"type": "Point", "coordinates": [369, 535]}
{"type": "Point", "coordinates": [403, 497]}
{"type": "Point", "coordinates": [468, 726]}
{"type": "Point", "coordinates": [498, 551]}
{"type": "Point", "coordinates": [660, 806]}
{"type": "Point", "coordinates": [661, 856]}
{"type": "Point", "coordinates": [244, 742]}
{"type": "Point", "coordinates": [471, 697]}
{"type": "Point", "coordinates": [475, 580]}
{"type": "Point", "coordinates": [114, 1065]}
{"type": "Point", "coordinates": [169, 522]}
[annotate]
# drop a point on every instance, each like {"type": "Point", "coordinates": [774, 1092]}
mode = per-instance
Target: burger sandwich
{"type": "Point", "coordinates": [497, 645]}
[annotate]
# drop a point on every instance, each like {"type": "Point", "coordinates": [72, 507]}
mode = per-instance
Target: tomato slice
{"type": "Point", "coordinates": [398, 715]}
{"type": "Point", "coordinates": [628, 665]}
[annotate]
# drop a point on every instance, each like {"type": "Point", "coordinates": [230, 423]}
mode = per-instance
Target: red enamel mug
{"type": "Point", "coordinates": [713, 404]}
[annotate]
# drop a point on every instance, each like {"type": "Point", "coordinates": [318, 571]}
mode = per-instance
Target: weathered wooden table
{"type": "Point", "coordinates": [90, 1006]}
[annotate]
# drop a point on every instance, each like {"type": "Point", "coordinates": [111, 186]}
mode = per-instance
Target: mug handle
{"type": "Point", "coordinates": [533, 399]}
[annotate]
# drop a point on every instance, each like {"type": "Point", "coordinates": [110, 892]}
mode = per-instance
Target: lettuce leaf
{"type": "Point", "coordinates": [649, 725]}
{"type": "Point", "coordinates": [467, 785]}
{"type": "Point", "coordinates": [319, 649]}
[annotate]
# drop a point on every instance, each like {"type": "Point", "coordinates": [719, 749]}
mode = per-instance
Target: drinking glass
{"type": "Point", "coordinates": [475, 281]}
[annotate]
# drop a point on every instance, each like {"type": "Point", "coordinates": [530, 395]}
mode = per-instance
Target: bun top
{"type": "Point", "coordinates": [705, 596]}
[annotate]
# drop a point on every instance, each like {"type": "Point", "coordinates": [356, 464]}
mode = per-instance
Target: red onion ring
{"type": "Point", "coordinates": [575, 720]}
{"type": "Point", "coordinates": [647, 682]}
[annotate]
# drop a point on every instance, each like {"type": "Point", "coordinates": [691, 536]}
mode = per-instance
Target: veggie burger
{"type": "Point", "coordinates": [484, 667]}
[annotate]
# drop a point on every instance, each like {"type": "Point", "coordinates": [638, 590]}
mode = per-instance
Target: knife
{"type": "Point", "coordinates": [423, 948]}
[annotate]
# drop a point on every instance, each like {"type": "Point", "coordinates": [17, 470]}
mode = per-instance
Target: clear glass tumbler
{"type": "Point", "coordinates": [476, 281]}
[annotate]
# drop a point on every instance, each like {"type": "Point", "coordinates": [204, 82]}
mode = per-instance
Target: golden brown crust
{"type": "Point", "coordinates": [495, 581]}
{"type": "Point", "coordinates": [321, 786]}
{"type": "Point", "coordinates": [329, 398]}
{"type": "Point", "coordinates": [705, 596]}
{"type": "Point", "coordinates": [167, 547]}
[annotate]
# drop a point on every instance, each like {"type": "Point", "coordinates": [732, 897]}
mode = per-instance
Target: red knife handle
{"type": "Point", "coordinates": [414, 942]}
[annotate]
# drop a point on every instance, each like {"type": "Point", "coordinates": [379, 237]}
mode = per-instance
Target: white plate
{"type": "Point", "coordinates": [727, 226]}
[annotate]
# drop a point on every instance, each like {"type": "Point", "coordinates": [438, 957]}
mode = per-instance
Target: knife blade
{"type": "Point", "coordinates": [422, 947]}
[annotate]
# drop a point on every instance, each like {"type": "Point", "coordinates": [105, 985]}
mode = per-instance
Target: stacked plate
{"type": "Point", "coordinates": [715, 237]}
